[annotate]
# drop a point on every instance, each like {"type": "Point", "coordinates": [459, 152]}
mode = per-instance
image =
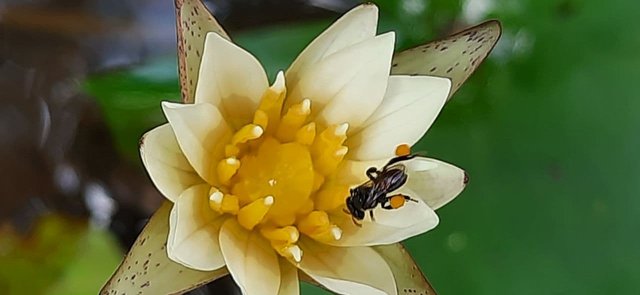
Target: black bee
{"type": "Point", "coordinates": [368, 195]}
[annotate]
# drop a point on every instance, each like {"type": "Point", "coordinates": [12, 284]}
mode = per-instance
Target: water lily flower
{"type": "Point", "coordinates": [258, 173]}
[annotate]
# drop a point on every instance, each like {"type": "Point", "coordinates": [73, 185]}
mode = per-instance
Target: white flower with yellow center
{"type": "Point", "coordinates": [259, 174]}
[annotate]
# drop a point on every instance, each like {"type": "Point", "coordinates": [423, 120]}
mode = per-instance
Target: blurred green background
{"type": "Point", "coordinates": [547, 128]}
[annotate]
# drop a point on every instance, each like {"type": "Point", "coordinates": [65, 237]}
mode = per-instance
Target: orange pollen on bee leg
{"type": "Point", "coordinates": [397, 201]}
{"type": "Point", "coordinates": [403, 150]}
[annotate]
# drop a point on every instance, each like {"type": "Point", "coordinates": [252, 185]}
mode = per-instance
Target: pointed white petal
{"type": "Point", "coordinates": [353, 27]}
{"type": "Point", "coordinates": [167, 166]}
{"type": "Point", "coordinates": [193, 231]}
{"type": "Point", "coordinates": [252, 262]}
{"type": "Point", "coordinates": [231, 79]}
{"type": "Point", "coordinates": [201, 133]}
{"type": "Point", "coordinates": [347, 270]}
{"type": "Point", "coordinates": [390, 226]}
{"type": "Point", "coordinates": [410, 106]}
{"type": "Point", "coordinates": [435, 182]}
{"type": "Point", "coordinates": [289, 284]}
{"type": "Point", "coordinates": [348, 85]}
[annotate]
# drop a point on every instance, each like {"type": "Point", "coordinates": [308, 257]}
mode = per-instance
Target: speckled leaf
{"type": "Point", "coordinates": [193, 22]}
{"type": "Point", "coordinates": [148, 270]}
{"type": "Point", "coordinates": [455, 57]}
{"type": "Point", "coordinates": [409, 278]}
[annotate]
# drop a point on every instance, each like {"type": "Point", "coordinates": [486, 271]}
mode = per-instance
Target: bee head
{"type": "Point", "coordinates": [354, 208]}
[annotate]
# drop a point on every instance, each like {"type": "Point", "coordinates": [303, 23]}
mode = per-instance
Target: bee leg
{"type": "Point", "coordinates": [355, 222]}
{"type": "Point", "coordinates": [399, 159]}
{"type": "Point", "coordinates": [371, 215]}
{"type": "Point", "coordinates": [372, 173]}
{"type": "Point", "coordinates": [410, 199]}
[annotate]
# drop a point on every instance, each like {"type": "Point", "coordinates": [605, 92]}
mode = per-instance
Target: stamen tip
{"type": "Point", "coordinates": [336, 232]}
{"type": "Point", "coordinates": [311, 126]}
{"type": "Point", "coordinates": [216, 197]}
{"type": "Point", "coordinates": [341, 130]}
{"type": "Point", "coordinates": [232, 160]}
{"type": "Point", "coordinates": [278, 85]}
{"type": "Point", "coordinates": [257, 131]}
{"type": "Point", "coordinates": [268, 200]}
{"type": "Point", "coordinates": [342, 151]}
{"type": "Point", "coordinates": [296, 253]}
{"type": "Point", "coordinates": [306, 105]}
{"type": "Point", "coordinates": [294, 235]}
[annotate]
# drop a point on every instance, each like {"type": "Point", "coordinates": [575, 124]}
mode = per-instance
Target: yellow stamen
{"type": "Point", "coordinates": [318, 226]}
{"type": "Point", "coordinates": [246, 133]}
{"type": "Point", "coordinates": [318, 180]}
{"type": "Point", "coordinates": [327, 161]}
{"type": "Point", "coordinates": [250, 215]}
{"type": "Point", "coordinates": [293, 120]}
{"type": "Point", "coordinates": [288, 250]}
{"type": "Point", "coordinates": [331, 197]}
{"type": "Point", "coordinates": [223, 203]}
{"type": "Point", "coordinates": [330, 139]}
{"type": "Point", "coordinates": [287, 234]}
{"type": "Point", "coordinates": [231, 150]}
{"type": "Point", "coordinates": [306, 134]}
{"type": "Point", "coordinates": [314, 222]}
{"type": "Point", "coordinates": [295, 252]}
{"type": "Point", "coordinates": [272, 100]}
{"type": "Point", "coordinates": [227, 168]}
{"type": "Point", "coordinates": [306, 208]}
{"type": "Point", "coordinates": [261, 119]}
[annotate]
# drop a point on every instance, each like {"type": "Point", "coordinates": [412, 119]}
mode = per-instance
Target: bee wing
{"type": "Point", "coordinates": [193, 22]}
{"type": "Point", "coordinates": [455, 57]}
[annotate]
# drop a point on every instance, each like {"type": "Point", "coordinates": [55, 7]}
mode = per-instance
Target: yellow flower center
{"type": "Point", "coordinates": [276, 174]}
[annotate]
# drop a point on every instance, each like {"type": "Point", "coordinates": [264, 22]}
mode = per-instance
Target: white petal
{"type": "Point", "coordinates": [201, 133]}
{"type": "Point", "coordinates": [193, 231]}
{"type": "Point", "coordinates": [167, 166]}
{"type": "Point", "coordinates": [252, 262]}
{"type": "Point", "coordinates": [289, 284]}
{"type": "Point", "coordinates": [410, 106]}
{"type": "Point", "coordinates": [390, 226]}
{"type": "Point", "coordinates": [348, 85]}
{"type": "Point", "coordinates": [435, 182]}
{"type": "Point", "coordinates": [347, 270]}
{"type": "Point", "coordinates": [353, 27]}
{"type": "Point", "coordinates": [231, 79]}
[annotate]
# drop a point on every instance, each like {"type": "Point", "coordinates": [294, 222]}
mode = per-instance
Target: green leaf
{"type": "Point", "coordinates": [193, 22]}
{"type": "Point", "coordinates": [148, 270]}
{"type": "Point", "coordinates": [455, 57]}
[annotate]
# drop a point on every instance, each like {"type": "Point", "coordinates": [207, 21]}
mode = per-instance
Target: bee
{"type": "Point", "coordinates": [374, 192]}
